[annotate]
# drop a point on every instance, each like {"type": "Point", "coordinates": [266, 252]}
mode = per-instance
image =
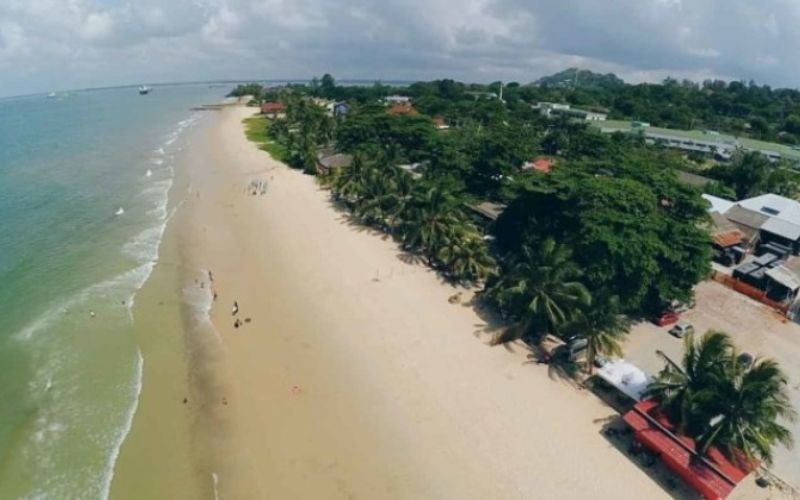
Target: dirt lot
{"type": "Point", "coordinates": [755, 329]}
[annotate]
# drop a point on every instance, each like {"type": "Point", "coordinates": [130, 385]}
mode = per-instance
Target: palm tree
{"type": "Point", "coordinates": [603, 327]}
{"type": "Point", "coordinates": [350, 183]}
{"type": "Point", "coordinates": [722, 403]}
{"type": "Point", "coordinates": [677, 385]}
{"type": "Point", "coordinates": [541, 289]}
{"type": "Point", "coordinates": [427, 218]}
{"type": "Point", "coordinates": [465, 255]}
{"type": "Point", "coordinates": [744, 408]}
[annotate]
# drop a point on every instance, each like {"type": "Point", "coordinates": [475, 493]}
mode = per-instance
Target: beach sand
{"type": "Point", "coordinates": [355, 377]}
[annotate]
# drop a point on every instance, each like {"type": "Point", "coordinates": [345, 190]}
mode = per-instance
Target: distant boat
{"type": "Point", "coordinates": [144, 90]}
{"type": "Point", "coordinates": [120, 211]}
{"type": "Point", "coordinates": [149, 172]}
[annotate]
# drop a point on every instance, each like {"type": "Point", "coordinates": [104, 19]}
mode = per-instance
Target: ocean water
{"type": "Point", "coordinates": [85, 179]}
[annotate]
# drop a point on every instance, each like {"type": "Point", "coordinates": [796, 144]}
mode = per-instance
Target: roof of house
{"type": "Point", "coordinates": [339, 160]}
{"type": "Point", "coordinates": [718, 204]}
{"type": "Point", "coordinates": [488, 209]}
{"type": "Point", "coordinates": [402, 109]}
{"type": "Point", "coordinates": [782, 228]}
{"type": "Point", "coordinates": [272, 107]}
{"type": "Point", "coordinates": [544, 164]}
{"type": "Point", "coordinates": [713, 476]}
{"type": "Point", "coordinates": [730, 238]}
{"type": "Point", "coordinates": [720, 223]}
{"type": "Point", "coordinates": [746, 217]}
{"type": "Point", "coordinates": [439, 121]}
{"type": "Point", "coordinates": [774, 206]}
{"type": "Point", "coordinates": [785, 277]}
{"type": "Point", "coordinates": [541, 164]}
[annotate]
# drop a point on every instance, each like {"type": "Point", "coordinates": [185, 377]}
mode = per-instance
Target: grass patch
{"type": "Point", "coordinates": [256, 131]}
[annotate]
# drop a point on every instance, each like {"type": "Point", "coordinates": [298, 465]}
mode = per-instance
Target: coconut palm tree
{"type": "Point", "coordinates": [677, 385]}
{"type": "Point", "coordinates": [427, 218]}
{"type": "Point", "coordinates": [465, 255]}
{"type": "Point", "coordinates": [540, 288]}
{"type": "Point", "coordinates": [350, 183]}
{"type": "Point", "coordinates": [723, 403]}
{"type": "Point", "coordinates": [744, 409]}
{"type": "Point", "coordinates": [603, 326]}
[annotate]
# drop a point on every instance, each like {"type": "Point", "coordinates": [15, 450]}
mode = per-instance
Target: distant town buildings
{"type": "Point", "coordinates": [762, 234]}
{"type": "Point", "coordinates": [550, 109]}
{"type": "Point", "coordinates": [397, 99]}
{"type": "Point", "coordinates": [707, 142]}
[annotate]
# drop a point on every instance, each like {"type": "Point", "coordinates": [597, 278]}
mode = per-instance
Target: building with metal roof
{"type": "Point", "coordinates": [718, 204]}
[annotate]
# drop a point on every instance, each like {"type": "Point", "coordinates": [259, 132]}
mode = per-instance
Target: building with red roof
{"type": "Point", "coordinates": [542, 164]}
{"type": "Point", "coordinates": [440, 123]}
{"type": "Point", "coordinates": [714, 476]}
{"type": "Point", "coordinates": [272, 108]}
{"type": "Point", "coordinates": [402, 109]}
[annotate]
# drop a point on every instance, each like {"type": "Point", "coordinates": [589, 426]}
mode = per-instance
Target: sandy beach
{"type": "Point", "coordinates": [355, 377]}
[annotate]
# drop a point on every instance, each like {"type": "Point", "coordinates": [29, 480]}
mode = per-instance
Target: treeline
{"type": "Point", "coordinates": [740, 108]}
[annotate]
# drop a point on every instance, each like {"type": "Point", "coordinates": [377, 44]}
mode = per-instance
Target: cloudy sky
{"type": "Point", "coordinates": [61, 44]}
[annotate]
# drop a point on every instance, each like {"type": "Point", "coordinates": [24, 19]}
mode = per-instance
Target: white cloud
{"type": "Point", "coordinates": [123, 41]}
{"type": "Point", "coordinates": [706, 52]}
{"type": "Point", "coordinates": [97, 26]}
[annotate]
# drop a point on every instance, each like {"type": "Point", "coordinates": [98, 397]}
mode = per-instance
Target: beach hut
{"type": "Point", "coordinates": [273, 109]}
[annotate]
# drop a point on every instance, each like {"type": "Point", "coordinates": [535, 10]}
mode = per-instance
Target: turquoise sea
{"type": "Point", "coordinates": [84, 184]}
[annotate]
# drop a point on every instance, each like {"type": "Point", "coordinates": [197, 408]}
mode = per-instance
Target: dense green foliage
{"type": "Point", "coordinates": [251, 89]}
{"type": "Point", "coordinates": [751, 174]}
{"type": "Point", "coordinates": [741, 108]}
{"type": "Point", "coordinates": [426, 219]}
{"type": "Point", "coordinates": [725, 403]}
{"type": "Point", "coordinates": [581, 78]}
{"type": "Point", "coordinates": [632, 227]}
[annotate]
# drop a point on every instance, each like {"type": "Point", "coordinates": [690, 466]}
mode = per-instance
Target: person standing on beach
{"type": "Point", "coordinates": [235, 308]}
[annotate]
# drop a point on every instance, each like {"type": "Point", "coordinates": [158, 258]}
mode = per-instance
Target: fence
{"type": "Point", "coordinates": [749, 290]}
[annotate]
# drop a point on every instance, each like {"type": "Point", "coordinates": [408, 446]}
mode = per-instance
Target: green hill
{"type": "Point", "coordinates": [581, 78]}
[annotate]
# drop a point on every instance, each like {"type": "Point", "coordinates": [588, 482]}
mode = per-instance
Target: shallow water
{"type": "Point", "coordinates": [70, 268]}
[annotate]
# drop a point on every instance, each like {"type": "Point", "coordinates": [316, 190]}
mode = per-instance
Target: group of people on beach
{"type": "Point", "coordinates": [257, 187]}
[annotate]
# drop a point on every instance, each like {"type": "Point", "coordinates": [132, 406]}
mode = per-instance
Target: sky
{"type": "Point", "coordinates": [65, 44]}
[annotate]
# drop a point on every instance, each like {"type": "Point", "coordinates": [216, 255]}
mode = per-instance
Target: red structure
{"type": "Point", "coordinates": [713, 476]}
{"type": "Point", "coordinates": [402, 109]}
{"type": "Point", "coordinates": [544, 165]}
{"type": "Point", "coordinates": [272, 108]}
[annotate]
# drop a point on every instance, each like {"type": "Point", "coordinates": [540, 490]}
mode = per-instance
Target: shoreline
{"type": "Point", "coordinates": [356, 376]}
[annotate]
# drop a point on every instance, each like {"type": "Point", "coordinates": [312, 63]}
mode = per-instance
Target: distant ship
{"type": "Point", "coordinates": [144, 90]}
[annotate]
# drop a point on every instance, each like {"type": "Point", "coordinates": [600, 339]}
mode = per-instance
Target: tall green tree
{"type": "Point", "coordinates": [540, 289]}
{"type": "Point", "coordinates": [603, 326]}
{"type": "Point", "coordinates": [725, 403]}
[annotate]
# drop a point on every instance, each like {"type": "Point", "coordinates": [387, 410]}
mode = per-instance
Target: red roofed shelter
{"type": "Point", "coordinates": [402, 109]}
{"type": "Point", "coordinates": [714, 476]}
{"type": "Point", "coordinates": [544, 165]}
{"type": "Point", "coordinates": [272, 108]}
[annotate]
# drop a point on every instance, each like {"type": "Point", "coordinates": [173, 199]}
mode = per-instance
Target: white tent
{"type": "Point", "coordinates": [626, 377]}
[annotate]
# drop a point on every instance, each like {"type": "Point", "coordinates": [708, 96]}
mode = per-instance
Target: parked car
{"type": "Point", "coordinates": [572, 349]}
{"type": "Point", "coordinates": [667, 318]}
{"type": "Point", "coordinates": [681, 329]}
